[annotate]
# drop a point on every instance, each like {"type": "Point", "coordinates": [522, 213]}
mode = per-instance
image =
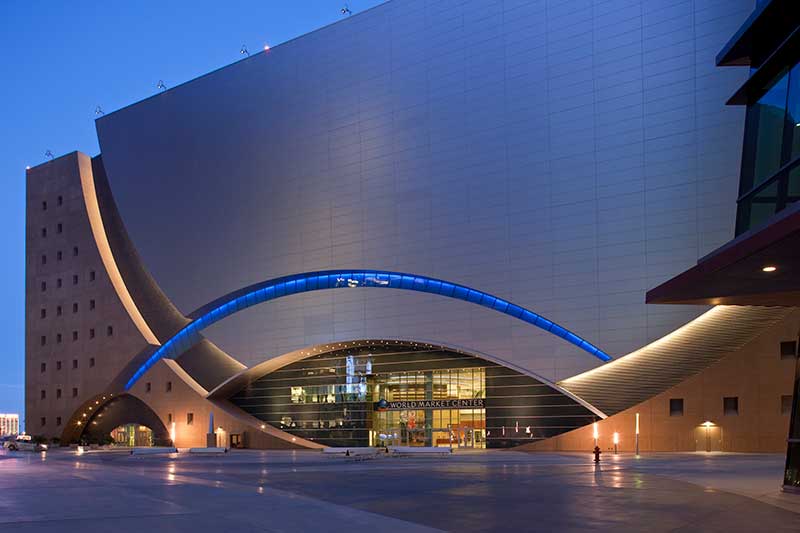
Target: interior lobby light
{"type": "Point", "coordinates": [769, 268]}
{"type": "Point", "coordinates": [708, 424]}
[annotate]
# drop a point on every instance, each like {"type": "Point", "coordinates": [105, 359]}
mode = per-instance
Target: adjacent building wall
{"type": "Point", "coordinates": [62, 227]}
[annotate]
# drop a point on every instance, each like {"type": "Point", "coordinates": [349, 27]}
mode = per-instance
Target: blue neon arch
{"type": "Point", "coordinates": [341, 279]}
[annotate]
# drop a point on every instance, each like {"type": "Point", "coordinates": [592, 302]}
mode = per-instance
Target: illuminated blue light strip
{"type": "Point", "coordinates": [340, 279]}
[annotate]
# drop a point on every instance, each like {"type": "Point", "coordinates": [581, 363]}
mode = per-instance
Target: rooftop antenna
{"type": "Point", "coordinates": [160, 85]}
{"type": "Point", "coordinates": [244, 51]}
{"type": "Point", "coordinates": [346, 10]}
{"type": "Point", "coordinates": [99, 111]}
{"type": "Point", "coordinates": [48, 154]}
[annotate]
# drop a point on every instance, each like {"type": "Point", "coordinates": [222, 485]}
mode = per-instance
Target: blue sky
{"type": "Point", "coordinates": [60, 60]}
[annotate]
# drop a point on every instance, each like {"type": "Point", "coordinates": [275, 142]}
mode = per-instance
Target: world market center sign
{"type": "Point", "coordinates": [411, 405]}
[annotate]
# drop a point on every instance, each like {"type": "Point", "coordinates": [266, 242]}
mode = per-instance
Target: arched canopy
{"type": "Point", "coordinates": [345, 279]}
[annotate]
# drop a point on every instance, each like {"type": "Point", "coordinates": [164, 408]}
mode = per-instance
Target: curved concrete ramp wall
{"type": "Point", "coordinates": [662, 364]}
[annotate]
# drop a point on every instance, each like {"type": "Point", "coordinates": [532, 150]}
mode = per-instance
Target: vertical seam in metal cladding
{"type": "Point", "coordinates": [106, 255]}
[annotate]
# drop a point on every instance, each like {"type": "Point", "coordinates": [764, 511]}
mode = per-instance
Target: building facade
{"type": "Point", "coordinates": [9, 424]}
{"type": "Point", "coordinates": [759, 266]}
{"type": "Point", "coordinates": [517, 174]}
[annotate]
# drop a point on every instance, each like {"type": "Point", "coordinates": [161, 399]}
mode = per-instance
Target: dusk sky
{"type": "Point", "coordinates": [61, 60]}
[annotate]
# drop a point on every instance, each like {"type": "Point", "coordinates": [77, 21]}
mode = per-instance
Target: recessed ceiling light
{"type": "Point", "coordinates": [769, 268]}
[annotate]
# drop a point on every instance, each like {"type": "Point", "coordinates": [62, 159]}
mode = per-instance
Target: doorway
{"type": "Point", "coordinates": [708, 438]}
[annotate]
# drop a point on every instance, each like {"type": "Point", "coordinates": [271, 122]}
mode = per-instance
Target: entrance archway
{"type": "Point", "coordinates": [128, 418]}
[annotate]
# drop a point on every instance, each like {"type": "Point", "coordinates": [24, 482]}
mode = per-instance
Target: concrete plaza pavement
{"type": "Point", "coordinates": [249, 490]}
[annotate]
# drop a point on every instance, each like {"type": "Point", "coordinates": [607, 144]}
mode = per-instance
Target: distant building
{"type": "Point", "coordinates": [9, 424]}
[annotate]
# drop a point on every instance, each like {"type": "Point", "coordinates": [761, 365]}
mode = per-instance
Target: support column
{"type": "Point", "coordinates": [791, 476]}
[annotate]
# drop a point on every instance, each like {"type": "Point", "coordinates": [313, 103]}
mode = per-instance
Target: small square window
{"type": "Point", "coordinates": [58, 338]}
{"type": "Point", "coordinates": [75, 307]}
{"type": "Point", "coordinates": [43, 313]}
{"type": "Point", "coordinates": [44, 259]}
{"type": "Point", "coordinates": [169, 386]}
{"type": "Point", "coordinates": [730, 405]}
{"type": "Point", "coordinates": [59, 228]}
{"type": "Point", "coordinates": [148, 387]}
{"type": "Point", "coordinates": [58, 394]}
{"type": "Point", "coordinates": [42, 395]}
{"type": "Point", "coordinates": [92, 275]}
{"type": "Point", "coordinates": [786, 404]}
{"type": "Point", "coordinates": [74, 392]}
{"type": "Point", "coordinates": [74, 336]}
{"type": "Point", "coordinates": [43, 421]}
{"type": "Point", "coordinates": [60, 200]}
{"type": "Point", "coordinates": [43, 340]}
{"type": "Point", "coordinates": [91, 305]}
{"type": "Point", "coordinates": [91, 333]}
{"type": "Point", "coordinates": [189, 419]}
{"type": "Point", "coordinates": [44, 232]}
{"type": "Point", "coordinates": [58, 310]}
{"type": "Point", "coordinates": [43, 367]}
{"type": "Point", "coordinates": [44, 206]}
{"type": "Point", "coordinates": [59, 255]}
{"type": "Point", "coordinates": [788, 349]}
{"type": "Point", "coordinates": [74, 279]}
{"type": "Point", "coordinates": [58, 283]}
{"type": "Point", "coordinates": [91, 362]}
{"type": "Point", "coordinates": [44, 286]}
{"type": "Point", "coordinates": [58, 365]}
{"type": "Point", "coordinates": [74, 251]}
{"type": "Point", "coordinates": [58, 420]}
{"type": "Point", "coordinates": [74, 363]}
{"type": "Point", "coordinates": [676, 407]}
{"type": "Point", "coordinates": [109, 331]}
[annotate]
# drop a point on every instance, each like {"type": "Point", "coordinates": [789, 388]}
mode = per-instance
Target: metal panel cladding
{"type": "Point", "coordinates": [563, 155]}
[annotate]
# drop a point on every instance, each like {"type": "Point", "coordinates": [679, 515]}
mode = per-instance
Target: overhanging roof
{"type": "Point", "coordinates": [767, 25]}
{"type": "Point", "coordinates": [733, 275]}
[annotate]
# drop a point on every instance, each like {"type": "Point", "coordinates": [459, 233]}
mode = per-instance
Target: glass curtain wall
{"type": "Point", "coordinates": [770, 178]}
{"type": "Point", "coordinates": [390, 393]}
